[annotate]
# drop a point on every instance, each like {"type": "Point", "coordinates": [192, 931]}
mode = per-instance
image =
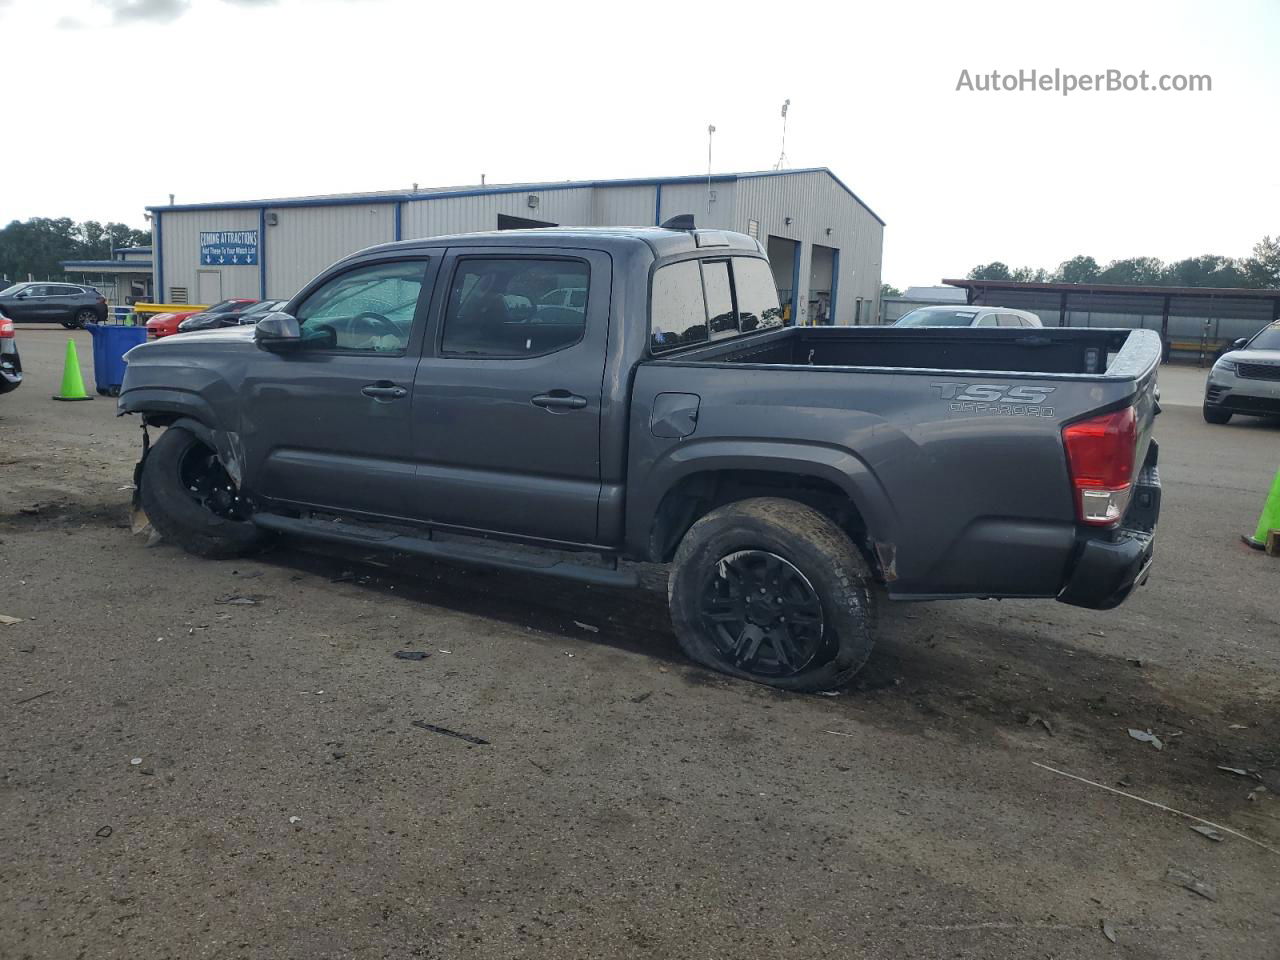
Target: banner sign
{"type": "Point", "coordinates": [235, 247]}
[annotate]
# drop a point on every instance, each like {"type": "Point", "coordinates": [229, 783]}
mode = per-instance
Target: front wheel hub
{"type": "Point", "coordinates": [762, 614]}
{"type": "Point", "coordinates": [208, 483]}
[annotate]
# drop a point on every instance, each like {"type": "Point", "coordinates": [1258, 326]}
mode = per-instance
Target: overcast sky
{"type": "Point", "coordinates": [240, 99]}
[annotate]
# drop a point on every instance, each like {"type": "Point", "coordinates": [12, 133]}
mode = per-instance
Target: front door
{"type": "Point", "coordinates": [208, 286]}
{"type": "Point", "coordinates": [507, 398]}
{"type": "Point", "coordinates": [327, 425]}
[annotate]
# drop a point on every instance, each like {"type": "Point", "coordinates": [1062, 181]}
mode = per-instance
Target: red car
{"type": "Point", "coordinates": [166, 324]}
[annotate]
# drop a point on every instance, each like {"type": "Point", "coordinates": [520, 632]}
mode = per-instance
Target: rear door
{"type": "Point", "coordinates": [507, 397]}
{"type": "Point", "coordinates": [327, 425]}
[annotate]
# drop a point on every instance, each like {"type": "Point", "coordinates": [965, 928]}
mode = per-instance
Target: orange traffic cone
{"type": "Point", "coordinates": [72, 382]}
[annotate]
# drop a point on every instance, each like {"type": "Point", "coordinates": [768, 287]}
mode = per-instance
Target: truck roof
{"type": "Point", "coordinates": [663, 241]}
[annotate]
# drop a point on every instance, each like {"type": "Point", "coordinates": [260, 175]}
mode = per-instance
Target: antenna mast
{"type": "Point", "coordinates": [782, 157]}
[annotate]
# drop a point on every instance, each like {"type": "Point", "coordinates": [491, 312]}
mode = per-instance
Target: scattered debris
{"type": "Point", "coordinates": [545, 770]}
{"type": "Point", "coordinates": [1035, 718]}
{"type": "Point", "coordinates": [1134, 662]}
{"type": "Point", "coordinates": [30, 511]}
{"type": "Point", "coordinates": [568, 654]}
{"type": "Point", "coordinates": [1239, 772]}
{"type": "Point", "coordinates": [1255, 794]}
{"type": "Point", "coordinates": [449, 733]}
{"type": "Point", "coordinates": [1097, 633]}
{"type": "Point", "coordinates": [238, 601]}
{"type": "Point", "coordinates": [837, 733]}
{"type": "Point", "coordinates": [1194, 884]}
{"type": "Point", "coordinates": [104, 831]}
{"type": "Point", "coordinates": [136, 761]}
{"type": "Point", "coordinates": [1209, 832]}
{"type": "Point", "coordinates": [642, 697]}
{"type": "Point", "coordinates": [9, 621]}
{"type": "Point", "coordinates": [411, 654]}
{"type": "Point", "coordinates": [1238, 726]}
{"type": "Point", "coordinates": [295, 819]}
{"type": "Point", "coordinates": [246, 574]}
{"type": "Point", "coordinates": [828, 693]}
{"type": "Point", "coordinates": [1146, 736]}
{"type": "Point", "coordinates": [1158, 806]}
{"type": "Point", "coordinates": [34, 696]}
{"type": "Point", "coordinates": [446, 651]}
{"type": "Point", "coordinates": [1108, 931]}
{"type": "Point", "coordinates": [586, 626]}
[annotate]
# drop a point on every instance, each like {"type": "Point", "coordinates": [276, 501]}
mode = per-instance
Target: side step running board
{"type": "Point", "coordinates": [370, 537]}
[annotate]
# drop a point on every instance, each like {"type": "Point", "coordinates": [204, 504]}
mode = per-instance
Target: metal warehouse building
{"type": "Point", "coordinates": [823, 241]}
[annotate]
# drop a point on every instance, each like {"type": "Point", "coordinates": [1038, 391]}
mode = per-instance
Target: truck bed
{"type": "Point", "coordinates": [949, 441]}
{"type": "Point", "coordinates": [1045, 351]}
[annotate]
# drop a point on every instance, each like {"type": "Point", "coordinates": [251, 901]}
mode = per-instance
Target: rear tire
{"type": "Point", "coordinates": [81, 318]}
{"type": "Point", "coordinates": [203, 520]}
{"type": "Point", "coordinates": [1213, 415]}
{"type": "Point", "coordinates": [772, 591]}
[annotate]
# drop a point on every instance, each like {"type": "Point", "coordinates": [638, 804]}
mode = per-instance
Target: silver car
{"type": "Point", "coordinates": [1246, 379]}
{"type": "Point", "coordinates": [959, 315]}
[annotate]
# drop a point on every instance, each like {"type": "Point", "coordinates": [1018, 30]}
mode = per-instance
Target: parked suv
{"type": "Point", "coordinates": [1246, 379]}
{"type": "Point", "coordinates": [66, 303]}
{"type": "Point", "coordinates": [963, 316]}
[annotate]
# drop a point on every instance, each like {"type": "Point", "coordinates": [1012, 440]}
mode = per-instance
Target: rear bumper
{"type": "Point", "coordinates": [1109, 565]}
{"type": "Point", "coordinates": [10, 370]}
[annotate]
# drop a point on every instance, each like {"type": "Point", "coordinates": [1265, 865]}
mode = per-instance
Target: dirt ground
{"type": "Point", "coordinates": [624, 804]}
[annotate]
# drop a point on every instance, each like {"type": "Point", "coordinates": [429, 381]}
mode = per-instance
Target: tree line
{"type": "Point", "coordinates": [1262, 270]}
{"type": "Point", "coordinates": [35, 247]}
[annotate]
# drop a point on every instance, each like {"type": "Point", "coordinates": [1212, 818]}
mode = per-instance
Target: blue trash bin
{"type": "Point", "coordinates": [110, 344]}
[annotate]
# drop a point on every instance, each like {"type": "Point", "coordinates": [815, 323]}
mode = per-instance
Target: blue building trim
{"type": "Point", "coordinates": [115, 250]}
{"type": "Point", "coordinates": [399, 215]}
{"type": "Point", "coordinates": [657, 204]}
{"type": "Point", "coordinates": [795, 284]}
{"type": "Point", "coordinates": [383, 198]}
{"type": "Point", "coordinates": [106, 266]}
{"type": "Point", "coordinates": [158, 293]}
{"type": "Point", "coordinates": [262, 254]}
{"type": "Point", "coordinates": [835, 281]}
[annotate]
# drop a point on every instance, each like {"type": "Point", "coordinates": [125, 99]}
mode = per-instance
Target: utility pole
{"type": "Point", "coordinates": [782, 156]}
{"type": "Point", "coordinates": [711, 130]}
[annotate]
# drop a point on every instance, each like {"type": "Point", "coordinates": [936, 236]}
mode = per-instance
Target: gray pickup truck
{"type": "Point", "coordinates": [561, 400]}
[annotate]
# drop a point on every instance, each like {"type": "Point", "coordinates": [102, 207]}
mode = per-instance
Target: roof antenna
{"type": "Point", "coordinates": [782, 157]}
{"type": "Point", "coordinates": [711, 131]}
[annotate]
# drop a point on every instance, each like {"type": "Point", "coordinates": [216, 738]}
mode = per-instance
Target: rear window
{"type": "Point", "coordinates": [695, 301]}
{"type": "Point", "coordinates": [939, 317]}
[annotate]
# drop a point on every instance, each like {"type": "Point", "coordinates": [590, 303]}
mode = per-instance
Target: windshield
{"type": "Point", "coordinates": [14, 288]}
{"type": "Point", "coordinates": [938, 317]}
{"type": "Point", "coordinates": [266, 306]}
{"type": "Point", "coordinates": [1268, 339]}
{"type": "Point", "coordinates": [226, 305]}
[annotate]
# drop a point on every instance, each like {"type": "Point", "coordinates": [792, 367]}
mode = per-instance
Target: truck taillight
{"type": "Point", "coordinates": [6, 328]}
{"type": "Point", "coordinates": [1100, 456]}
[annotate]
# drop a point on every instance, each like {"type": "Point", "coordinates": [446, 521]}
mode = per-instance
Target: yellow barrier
{"type": "Point", "coordinates": [169, 307]}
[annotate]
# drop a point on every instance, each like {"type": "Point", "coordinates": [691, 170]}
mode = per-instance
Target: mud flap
{"type": "Point", "coordinates": [138, 520]}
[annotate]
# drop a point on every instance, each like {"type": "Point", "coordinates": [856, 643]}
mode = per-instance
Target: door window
{"type": "Point", "coordinates": [679, 311]}
{"type": "Point", "coordinates": [368, 309]}
{"type": "Point", "coordinates": [987, 320]}
{"type": "Point", "coordinates": [515, 307]}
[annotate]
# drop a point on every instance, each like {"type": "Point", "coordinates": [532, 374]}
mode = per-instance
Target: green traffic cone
{"type": "Point", "coordinates": [72, 382]}
{"type": "Point", "coordinates": [1270, 519]}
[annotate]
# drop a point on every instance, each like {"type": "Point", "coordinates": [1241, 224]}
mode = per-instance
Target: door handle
{"type": "Point", "coordinates": [559, 400]}
{"type": "Point", "coordinates": [384, 391]}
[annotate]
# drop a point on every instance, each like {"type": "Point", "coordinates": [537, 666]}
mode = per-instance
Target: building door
{"type": "Point", "coordinates": [208, 286]}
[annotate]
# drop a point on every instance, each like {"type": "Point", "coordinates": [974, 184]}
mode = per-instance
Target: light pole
{"type": "Point", "coordinates": [782, 157]}
{"type": "Point", "coordinates": [711, 130]}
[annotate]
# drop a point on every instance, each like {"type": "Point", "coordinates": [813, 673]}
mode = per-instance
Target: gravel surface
{"type": "Point", "coordinates": [190, 777]}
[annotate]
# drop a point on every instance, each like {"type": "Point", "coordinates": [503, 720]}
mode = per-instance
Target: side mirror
{"type": "Point", "coordinates": [278, 332]}
{"type": "Point", "coordinates": [1240, 344]}
{"type": "Point", "coordinates": [20, 295]}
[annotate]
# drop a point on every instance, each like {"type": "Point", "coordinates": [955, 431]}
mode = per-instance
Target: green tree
{"type": "Point", "coordinates": [1133, 271]}
{"type": "Point", "coordinates": [995, 270]}
{"type": "Point", "coordinates": [1079, 269]}
{"type": "Point", "coordinates": [1263, 268]}
{"type": "Point", "coordinates": [35, 247]}
{"type": "Point", "coordinates": [889, 290]}
{"type": "Point", "coordinates": [1030, 275]}
{"type": "Point", "coordinates": [1209, 270]}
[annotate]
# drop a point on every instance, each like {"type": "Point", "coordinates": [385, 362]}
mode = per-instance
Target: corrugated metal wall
{"type": "Point", "coordinates": [815, 202]}
{"type": "Point", "coordinates": [434, 218]}
{"type": "Point", "coordinates": [180, 234]}
{"type": "Point", "coordinates": [678, 198]}
{"type": "Point", "coordinates": [305, 240]}
{"type": "Point", "coordinates": [624, 207]}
